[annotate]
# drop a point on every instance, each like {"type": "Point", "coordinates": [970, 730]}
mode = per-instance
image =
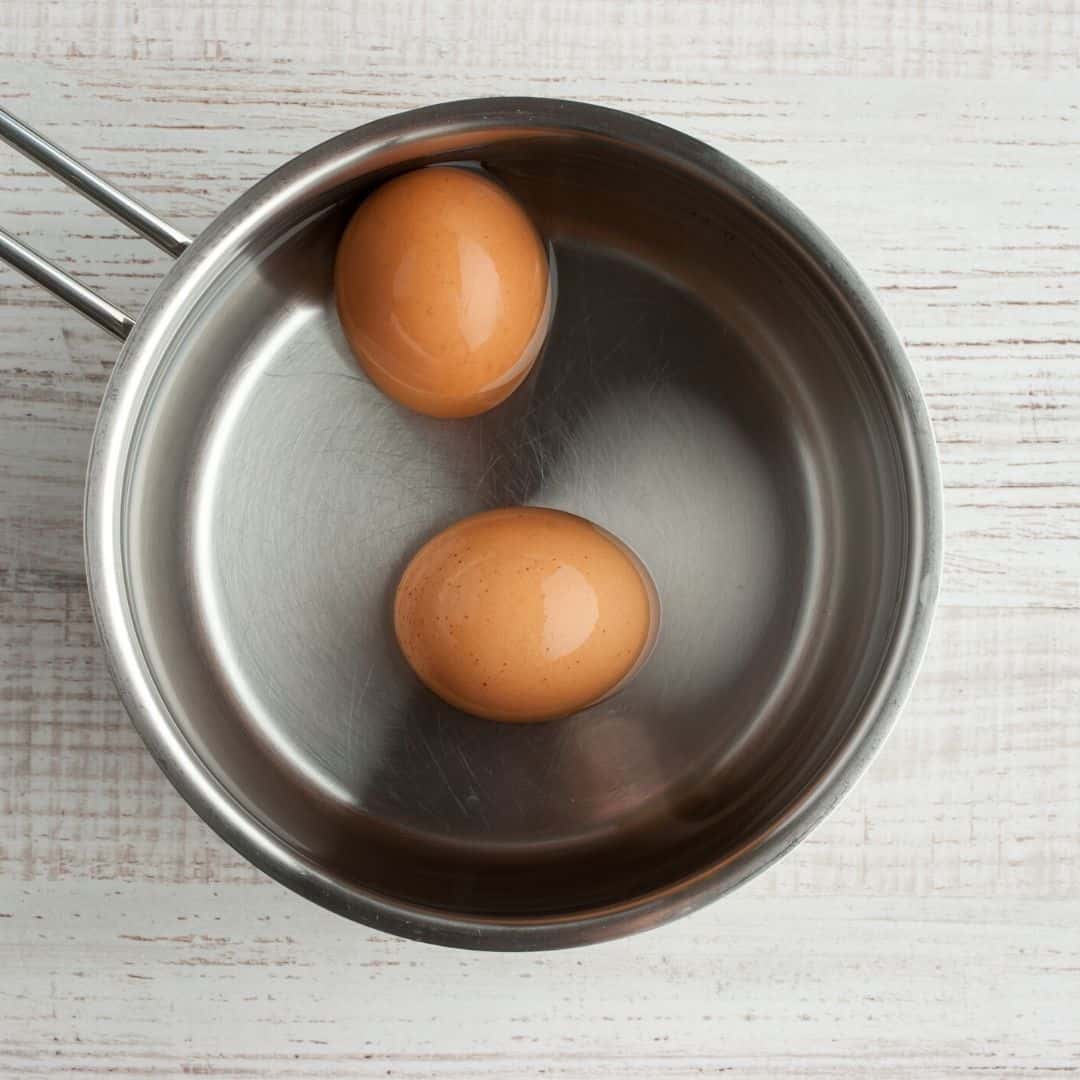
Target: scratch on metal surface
{"type": "Point", "coordinates": [441, 771]}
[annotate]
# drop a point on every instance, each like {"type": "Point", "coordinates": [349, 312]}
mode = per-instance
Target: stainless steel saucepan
{"type": "Point", "coordinates": [719, 389]}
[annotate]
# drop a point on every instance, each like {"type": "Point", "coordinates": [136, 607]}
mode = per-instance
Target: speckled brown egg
{"type": "Point", "coordinates": [443, 290]}
{"type": "Point", "coordinates": [525, 614]}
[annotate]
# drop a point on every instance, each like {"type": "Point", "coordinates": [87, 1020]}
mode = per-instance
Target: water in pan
{"type": "Point", "coordinates": [331, 487]}
{"type": "Point", "coordinates": [666, 407]}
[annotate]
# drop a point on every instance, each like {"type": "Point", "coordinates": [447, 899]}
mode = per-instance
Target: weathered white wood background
{"type": "Point", "coordinates": [932, 926]}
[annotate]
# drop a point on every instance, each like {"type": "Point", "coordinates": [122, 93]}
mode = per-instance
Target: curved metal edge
{"type": "Point", "coordinates": [107, 477]}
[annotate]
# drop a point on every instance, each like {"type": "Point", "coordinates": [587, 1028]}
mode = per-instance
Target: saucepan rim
{"type": "Point", "coordinates": [115, 441]}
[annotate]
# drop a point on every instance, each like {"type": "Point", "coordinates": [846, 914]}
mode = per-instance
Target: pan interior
{"type": "Point", "coordinates": [703, 394]}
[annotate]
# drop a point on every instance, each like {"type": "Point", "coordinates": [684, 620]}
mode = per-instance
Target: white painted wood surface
{"type": "Point", "coordinates": [932, 926]}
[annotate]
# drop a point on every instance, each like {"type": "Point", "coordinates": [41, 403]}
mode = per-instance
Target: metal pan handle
{"type": "Point", "coordinates": [121, 206]}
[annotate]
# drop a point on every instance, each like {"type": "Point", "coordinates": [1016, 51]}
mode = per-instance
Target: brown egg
{"type": "Point", "coordinates": [525, 614]}
{"type": "Point", "coordinates": [443, 291]}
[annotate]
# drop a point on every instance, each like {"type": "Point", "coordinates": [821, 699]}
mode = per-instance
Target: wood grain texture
{"type": "Point", "coordinates": [555, 40]}
{"type": "Point", "coordinates": [929, 927]}
{"type": "Point", "coordinates": [150, 981]}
